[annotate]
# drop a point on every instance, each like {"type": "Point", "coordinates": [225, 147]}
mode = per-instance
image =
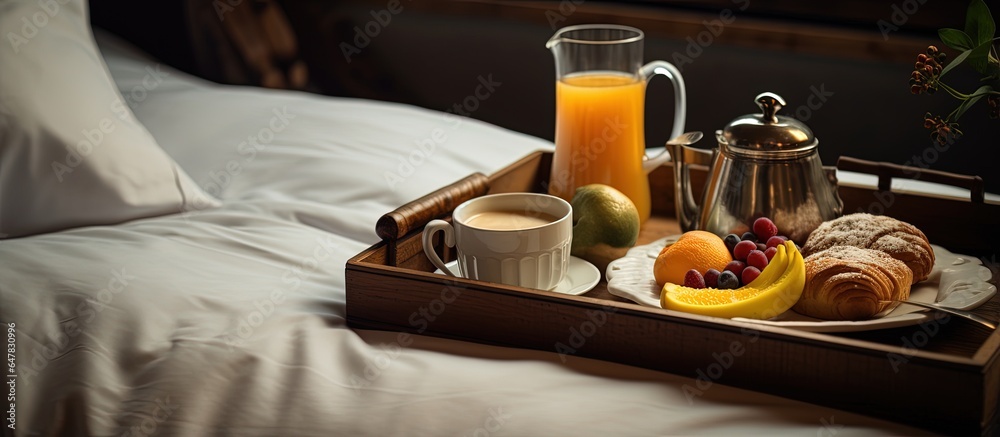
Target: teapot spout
{"type": "Point", "coordinates": [682, 156]}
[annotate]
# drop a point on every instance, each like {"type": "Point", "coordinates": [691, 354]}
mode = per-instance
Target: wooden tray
{"type": "Point", "coordinates": [942, 375]}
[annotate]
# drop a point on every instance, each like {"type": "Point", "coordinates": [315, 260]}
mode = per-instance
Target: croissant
{"type": "Point", "coordinates": [899, 239]}
{"type": "Point", "coordinates": [849, 283]}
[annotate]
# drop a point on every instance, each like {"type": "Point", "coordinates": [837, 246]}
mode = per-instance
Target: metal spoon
{"type": "Point", "coordinates": [686, 138]}
{"type": "Point", "coordinates": [960, 313]}
{"type": "Point", "coordinates": [671, 151]}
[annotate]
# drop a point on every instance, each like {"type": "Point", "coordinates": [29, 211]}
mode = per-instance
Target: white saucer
{"type": "Point", "coordinates": [581, 276]}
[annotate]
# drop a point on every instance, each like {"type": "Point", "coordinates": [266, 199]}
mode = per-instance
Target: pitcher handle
{"type": "Point", "coordinates": [667, 69]}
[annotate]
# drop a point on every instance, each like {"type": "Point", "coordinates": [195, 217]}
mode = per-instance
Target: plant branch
{"type": "Point", "coordinates": [955, 93]}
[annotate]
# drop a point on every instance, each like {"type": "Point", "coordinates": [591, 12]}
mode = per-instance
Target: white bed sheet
{"type": "Point", "coordinates": [231, 320]}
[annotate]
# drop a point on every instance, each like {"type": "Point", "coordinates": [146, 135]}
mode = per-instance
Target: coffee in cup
{"type": "Point", "coordinates": [520, 239]}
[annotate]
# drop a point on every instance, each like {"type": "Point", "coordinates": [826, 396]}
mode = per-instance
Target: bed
{"type": "Point", "coordinates": [228, 317]}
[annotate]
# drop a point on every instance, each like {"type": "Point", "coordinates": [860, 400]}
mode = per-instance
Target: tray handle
{"type": "Point", "coordinates": [414, 215]}
{"type": "Point", "coordinates": [886, 171]}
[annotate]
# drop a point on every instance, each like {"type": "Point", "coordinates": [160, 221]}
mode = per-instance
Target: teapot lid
{"type": "Point", "coordinates": [768, 135]}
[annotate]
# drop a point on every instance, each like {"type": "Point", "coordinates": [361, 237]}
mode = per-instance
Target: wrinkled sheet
{"type": "Point", "coordinates": [231, 320]}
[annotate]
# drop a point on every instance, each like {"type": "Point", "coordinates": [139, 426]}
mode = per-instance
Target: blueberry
{"type": "Point", "coordinates": [728, 280]}
{"type": "Point", "coordinates": [749, 236]}
{"type": "Point", "coordinates": [731, 241]}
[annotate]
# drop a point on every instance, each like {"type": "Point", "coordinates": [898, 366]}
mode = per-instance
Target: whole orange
{"type": "Point", "coordinates": [699, 250]}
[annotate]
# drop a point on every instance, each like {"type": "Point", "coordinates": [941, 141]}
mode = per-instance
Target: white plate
{"type": "Point", "coordinates": [957, 281]}
{"type": "Point", "coordinates": [581, 276]}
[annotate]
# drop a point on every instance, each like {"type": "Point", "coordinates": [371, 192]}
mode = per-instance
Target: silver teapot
{"type": "Point", "coordinates": [766, 165]}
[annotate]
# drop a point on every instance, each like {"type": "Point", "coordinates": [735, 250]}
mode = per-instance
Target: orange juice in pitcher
{"type": "Point", "coordinates": [600, 102]}
{"type": "Point", "coordinates": [599, 130]}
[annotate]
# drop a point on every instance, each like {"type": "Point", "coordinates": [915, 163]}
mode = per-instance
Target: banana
{"type": "Point", "coordinates": [774, 269]}
{"type": "Point", "coordinates": [786, 289]}
{"type": "Point", "coordinates": [777, 288]}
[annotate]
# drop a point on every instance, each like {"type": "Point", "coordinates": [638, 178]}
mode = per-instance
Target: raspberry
{"type": "Point", "coordinates": [757, 259]}
{"type": "Point", "coordinates": [694, 279]}
{"type": "Point", "coordinates": [731, 240]}
{"type": "Point", "coordinates": [775, 241]}
{"type": "Point", "coordinates": [749, 274]}
{"type": "Point", "coordinates": [764, 228]}
{"type": "Point", "coordinates": [749, 236]}
{"type": "Point", "coordinates": [712, 278]}
{"type": "Point", "coordinates": [728, 280]}
{"type": "Point", "coordinates": [743, 249]}
{"type": "Point", "coordinates": [769, 253]}
{"type": "Point", "coordinates": [736, 267]}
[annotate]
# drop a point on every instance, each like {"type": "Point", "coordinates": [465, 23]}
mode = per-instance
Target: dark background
{"type": "Point", "coordinates": [432, 53]}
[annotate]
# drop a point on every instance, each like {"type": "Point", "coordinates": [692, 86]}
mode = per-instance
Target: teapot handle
{"type": "Point", "coordinates": [667, 69]}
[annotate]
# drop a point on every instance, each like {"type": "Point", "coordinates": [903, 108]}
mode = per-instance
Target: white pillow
{"type": "Point", "coordinates": [71, 151]}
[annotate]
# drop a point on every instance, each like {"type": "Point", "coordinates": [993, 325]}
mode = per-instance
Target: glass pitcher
{"type": "Point", "coordinates": [600, 102]}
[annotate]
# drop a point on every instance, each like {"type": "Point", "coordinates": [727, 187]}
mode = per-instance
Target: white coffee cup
{"type": "Point", "coordinates": [518, 239]}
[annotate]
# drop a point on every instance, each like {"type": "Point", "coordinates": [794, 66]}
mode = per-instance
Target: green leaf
{"type": "Point", "coordinates": [978, 94]}
{"type": "Point", "coordinates": [979, 57]}
{"type": "Point", "coordinates": [955, 62]}
{"type": "Point", "coordinates": [956, 39]}
{"type": "Point", "coordinates": [979, 23]}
